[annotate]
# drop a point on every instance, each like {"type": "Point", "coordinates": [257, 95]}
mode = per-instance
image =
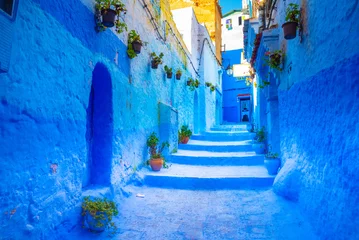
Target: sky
{"type": "Point", "coordinates": [229, 5]}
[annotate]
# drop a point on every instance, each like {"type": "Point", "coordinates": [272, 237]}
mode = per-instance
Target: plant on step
{"type": "Point", "coordinates": [134, 44]}
{"type": "Point", "coordinates": [275, 59]}
{"type": "Point", "coordinates": [156, 159]}
{"type": "Point", "coordinates": [168, 71]}
{"type": "Point", "coordinates": [98, 214]}
{"type": "Point", "coordinates": [184, 134]}
{"type": "Point", "coordinates": [178, 74]}
{"type": "Point", "coordinates": [271, 161]}
{"type": "Point", "coordinates": [213, 88]}
{"type": "Point", "coordinates": [156, 60]}
{"type": "Point", "coordinates": [292, 21]}
{"type": "Point", "coordinates": [111, 11]}
{"type": "Point", "coordinates": [208, 84]}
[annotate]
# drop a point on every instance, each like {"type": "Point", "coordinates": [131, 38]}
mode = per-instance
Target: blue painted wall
{"type": "Point", "coordinates": [231, 87]}
{"type": "Point", "coordinates": [75, 111]}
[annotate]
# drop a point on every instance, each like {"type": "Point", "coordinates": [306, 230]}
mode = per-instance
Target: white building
{"type": "Point", "coordinates": [232, 30]}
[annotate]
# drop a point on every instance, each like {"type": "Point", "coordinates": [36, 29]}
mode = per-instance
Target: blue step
{"type": "Point", "coordinates": [216, 158]}
{"type": "Point", "coordinates": [212, 146]}
{"type": "Point", "coordinates": [242, 127]}
{"type": "Point", "coordinates": [210, 177]}
{"type": "Point", "coordinates": [223, 137]}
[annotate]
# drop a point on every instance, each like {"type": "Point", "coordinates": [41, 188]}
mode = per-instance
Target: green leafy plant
{"type": "Point", "coordinates": [208, 84]}
{"type": "Point", "coordinates": [168, 70]}
{"type": "Point", "coordinates": [104, 5]}
{"type": "Point", "coordinates": [213, 88]}
{"type": "Point", "coordinates": [260, 135]}
{"type": "Point", "coordinates": [155, 150]}
{"type": "Point", "coordinates": [184, 132]}
{"type": "Point", "coordinates": [271, 154]}
{"type": "Point", "coordinates": [193, 84]}
{"type": "Point", "coordinates": [275, 59]}
{"type": "Point", "coordinates": [133, 36]}
{"type": "Point", "coordinates": [292, 13]}
{"type": "Point", "coordinates": [101, 211]}
{"type": "Point", "coordinates": [157, 59]}
{"type": "Point", "coordinates": [179, 71]}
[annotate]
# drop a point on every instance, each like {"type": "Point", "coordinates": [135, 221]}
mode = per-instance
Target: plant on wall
{"type": "Point", "coordinates": [156, 159]}
{"type": "Point", "coordinates": [134, 44]}
{"type": "Point", "coordinates": [178, 74]}
{"type": "Point", "coordinates": [213, 88]}
{"type": "Point", "coordinates": [292, 21]}
{"type": "Point", "coordinates": [208, 84]}
{"type": "Point", "coordinates": [168, 71]}
{"type": "Point", "coordinates": [156, 60]}
{"type": "Point", "coordinates": [275, 59]}
{"type": "Point", "coordinates": [193, 84]}
{"type": "Point", "coordinates": [111, 11]}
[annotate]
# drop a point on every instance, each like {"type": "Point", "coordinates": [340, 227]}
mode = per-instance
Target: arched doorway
{"type": "Point", "coordinates": [100, 127]}
{"type": "Point", "coordinates": [195, 114]}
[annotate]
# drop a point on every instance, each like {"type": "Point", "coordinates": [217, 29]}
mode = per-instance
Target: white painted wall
{"type": "Point", "coordinates": [233, 39]}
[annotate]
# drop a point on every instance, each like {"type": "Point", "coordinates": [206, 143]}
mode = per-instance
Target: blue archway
{"type": "Point", "coordinates": [100, 126]}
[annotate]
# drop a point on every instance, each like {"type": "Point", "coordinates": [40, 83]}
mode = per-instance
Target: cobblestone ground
{"type": "Point", "coordinates": [183, 214]}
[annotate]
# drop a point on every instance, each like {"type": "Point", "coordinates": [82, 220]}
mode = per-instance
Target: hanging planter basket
{"type": "Point", "coordinates": [169, 75]}
{"type": "Point", "coordinates": [290, 30]}
{"type": "Point", "coordinates": [108, 17]}
{"type": "Point", "coordinates": [154, 64]}
{"type": "Point", "coordinates": [136, 45]}
{"type": "Point", "coordinates": [178, 76]}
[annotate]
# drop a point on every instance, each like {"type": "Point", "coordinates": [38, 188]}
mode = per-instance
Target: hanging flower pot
{"type": "Point", "coordinates": [154, 64]}
{"type": "Point", "coordinates": [169, 75]}
{"type": "Point", "coordinates": [108, 17]}
{"type": "Point", "coordinates": [290, 30]}
{"type": "Point", "coordinates": [136, 45]}
{"type": "Point", "coordinates": [178, 76]}
{"type": "Point", "coordinates": [156, 60]}
{"type": "Point", "coordinates": [189, 82]}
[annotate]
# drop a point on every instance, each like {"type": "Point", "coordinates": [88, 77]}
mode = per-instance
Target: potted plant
{"type": "Point", "coordinates": [272, 162]}
{"type": "Point", "coordinates": [156, 159]}
{"type": "Point", "coordinates": [275, 59]}
{"type": "Point", "coordinates": [184, 134]}
{"type": "Point", "coordinates": [134, 44]}
{"type": "Point", "coordinates": [156, 60]}
{"type": "Point", "coordinates": [193, 84]}
{"type": "Point", "coordinates": [98, 213]}
{"type": "Point", "coordinates": [190, 81]}
{"type": "Point", "coordinates": [168, 71]}
{"type": "Point", "coordinates": [213, 88]}
{"type": "Point", "coordinates": [178, 74]}
{"type": "Point", "coordinates": [110, 9]}
{"type": "Point", "coordinates": [208, 84]}
{"type": "Point", "coordinates": [259, 139]}
{"type": "Point", "coordinates": [292, 20]}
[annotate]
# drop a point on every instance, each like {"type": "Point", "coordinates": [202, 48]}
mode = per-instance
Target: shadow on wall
{"type": "Point", "coordinates": [99, 132]}
{"type": "Point", "coordinates": [195, 114]}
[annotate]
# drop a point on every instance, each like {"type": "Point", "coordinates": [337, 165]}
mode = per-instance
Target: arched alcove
{"type": "Point", "coordinates": [100, 127]}
{"type": "Point", "coordinates": [195, 113]}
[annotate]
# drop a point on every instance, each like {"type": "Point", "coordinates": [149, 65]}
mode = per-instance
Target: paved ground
{"type": "Point", "coordinates": [168, 214]}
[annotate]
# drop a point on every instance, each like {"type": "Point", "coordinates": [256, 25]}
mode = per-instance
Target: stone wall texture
{"type": "Point", "coordinates": [46, 108]}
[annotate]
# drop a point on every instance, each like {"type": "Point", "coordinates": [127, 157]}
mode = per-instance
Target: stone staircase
{"type": "Point", "coordinates": [221, 158]}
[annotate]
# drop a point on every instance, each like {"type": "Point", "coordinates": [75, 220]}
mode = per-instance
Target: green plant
{"type": "Point", "coordinates": [275, 59]}
{"type": "Point", "coordinates": [184, 132]}
{"type": "Point", "coordinates": [157, 59]}
{"type": "Point", "coordinates": [101, 210]}
{"type": "Point", "coordinates": [260, 135]}
{"type": "Point", "coordinates": [155, 151]}
{"type": "Point", "coordinates": [132, 37]}
{"type": "Point", "coordinates": [179, 71]}
{"type": "Point", "coordinates": [272, 155]}
{"type": "Point", "coordinates": [193, 84]}
{"type": "Point", "coordinates": [104, 5]}
{"type": "Point", "coordinates": [174, 150]}
{"type": "Point", "coordinates": [208, 84]}
{"type": "Point", "coordinates": [213, 88]}
{"type": "Point", "coordinates": [292, 13]}
{"type": "Point", "coordinates": [168, 70]}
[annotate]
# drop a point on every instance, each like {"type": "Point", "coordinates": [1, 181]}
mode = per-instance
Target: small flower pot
{"type": "Point", "coordinates": [136, 47]}
{"type": "Point", "coordinates": [188, 83]}
{"type": "Point", "coordinates": [208, 84]}
{"type": "Point", "coordinates": [96, 225]}
{"type": "Point", "coordinates": [272, 165]}
{"type": "Point", "coordinates": [154, 64]}
{"type": "Point", "coordinates": [258, 147]}
{"type": "Point", "coordinates": [184, 140]}
{"type": "Point", "coordinates": [178, 76]}
{"type": "Point", "coordinates": [169, 75]}
{"type": "Point", "coordinates": [290, 30]}
{"type": "Point", "coordinates": [156, 164]}
{"type": "Point", "coordinates": [108, 17]}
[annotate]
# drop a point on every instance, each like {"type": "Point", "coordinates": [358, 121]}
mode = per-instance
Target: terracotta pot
{"type": "Point", "coordinates": [156, 164]}
{"type": "Point", "coordinates": [290, 30]}
{"type": "Point", "coordinates": [108, 17]}
{"type": "Point", "coordinates": [136, 47]}
{"type": "Point", "coordinates": [184, 140]}
{"type": "Point", "coordinates": [169, 75]}
{"type": "Point", "coordinates": [178, 76]}
{"type": "Point", "coordinates": [154, 64]}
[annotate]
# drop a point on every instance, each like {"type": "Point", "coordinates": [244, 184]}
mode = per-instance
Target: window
{"type": "Point", "coordinates": [7, 6]}
{"type": "Point", "coordinates": [240, 21]}
{"type": "Point", "coordinates": [229, 24]}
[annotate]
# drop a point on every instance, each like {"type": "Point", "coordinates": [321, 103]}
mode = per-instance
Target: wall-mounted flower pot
{"type": "Point", "coordinates": [154, 64]}
{"type": "Point", "coordinates": [258, 147]}
{"type": "Point", "coordinates": [108, 17]}
{"type": "Point", "coordinates": [184, 140]}
{"type": "Point", "coordinates": [290, 30]}
{"type": "Point", "coordinates": [169, 75]}
{"type": "Point", "coordinates": [275, 58]}
{"type": "Point", "coordinates": [272, 165]}
{"type": "Point", "coordinates": [178, 76]}
{"type": "Point", "coordinates": [156, 164]}
{"type": "Point", "coordinates": [188, 83]}
{"type": "Point", "coordinates": [136, 47]}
